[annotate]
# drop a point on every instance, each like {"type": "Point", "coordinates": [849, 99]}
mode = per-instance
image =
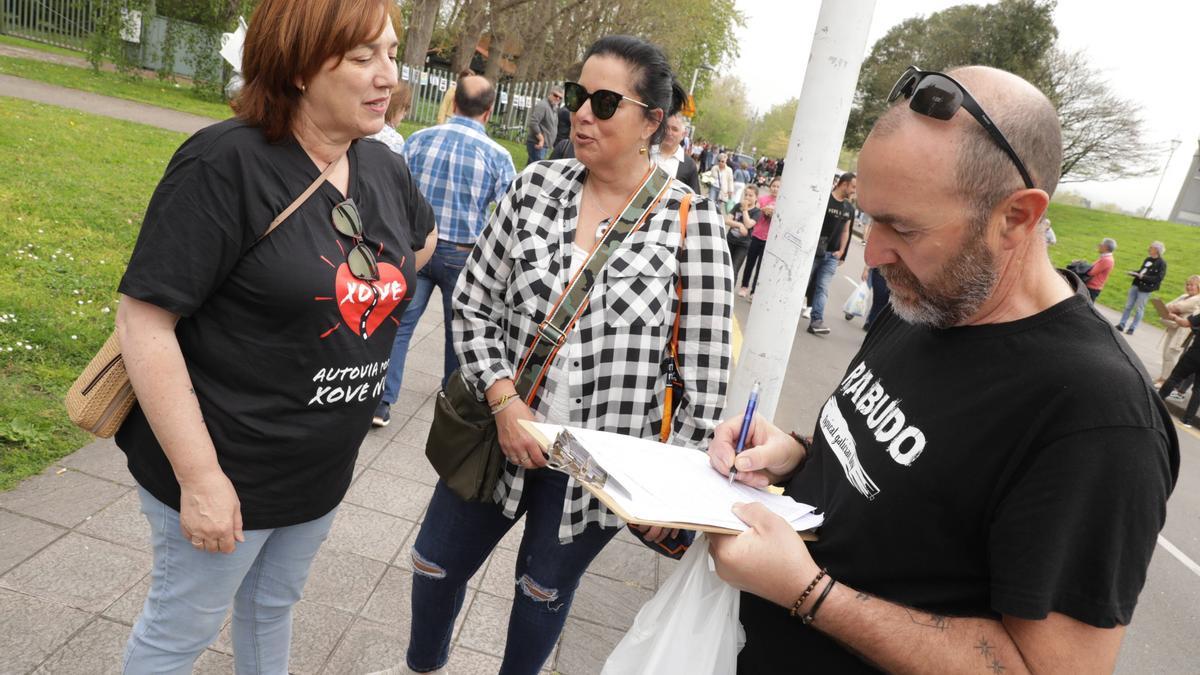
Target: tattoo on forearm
{"type": "Point", "coordinates": [988, 652]}
{"type": "Point", "coordinates": [935, 621]}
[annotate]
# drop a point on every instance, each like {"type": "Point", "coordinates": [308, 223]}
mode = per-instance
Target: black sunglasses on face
{"type": "Point", "coordinates": [604, 102]}
{"type": "Point", "coordinates": [360, 259]}
{"type": "Point", "coordinates": [939, 96]}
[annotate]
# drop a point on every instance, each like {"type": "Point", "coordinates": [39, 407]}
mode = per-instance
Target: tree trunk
{"type": "Point", "coordinates": [495, 58]}
{"type": "Point", "coordinates": [420, 31]}
{"type": "Point", "coordinates": [475, 19]}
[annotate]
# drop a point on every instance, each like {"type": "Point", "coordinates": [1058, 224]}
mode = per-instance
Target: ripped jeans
{"type": "Point", "coordinates": [457, 536]}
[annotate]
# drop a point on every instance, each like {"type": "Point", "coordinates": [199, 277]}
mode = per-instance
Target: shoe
{"type": "Point", "coordinates": [403, 669]}
{"type": "Point", "coordinates": [818, 328]}
{"type": "Point", "coordinates": [1177, 396]}
{"type": "Point", "coordinates": [1129, 332]}
{"type": "Point", "coordinates": [383, 415]}
{"type": "Point", "coordinates": [806, 312]}
{"type": "Point", "coordinates": [1120, 328]}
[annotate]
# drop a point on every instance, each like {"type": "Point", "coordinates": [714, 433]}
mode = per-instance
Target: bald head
{"type": "Point", "coordinates": [982, 172]}
{"type": "Point", "coordinates": [473, 96]}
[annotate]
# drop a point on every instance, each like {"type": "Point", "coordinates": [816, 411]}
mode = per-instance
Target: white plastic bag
{"type": "Point", "coordinates": [690, 625]}
{"type": "Point", "coordinates": [856, 304]}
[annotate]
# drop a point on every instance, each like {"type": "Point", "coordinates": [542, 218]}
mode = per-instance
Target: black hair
{"type": "Point", "coordinates": [654, 83]}
{"type": "Point", "coordinates": [845, 178]}
{"type": "Point", "coordinates": [473, 101]}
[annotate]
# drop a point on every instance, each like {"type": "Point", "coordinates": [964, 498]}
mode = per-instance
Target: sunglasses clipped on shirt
{"type": "Point", "coordinates": [939, 96]}
{"type": "Point", "coordinates": [604, 102]}
{"type": "Point", "coordinates": [361, 261]}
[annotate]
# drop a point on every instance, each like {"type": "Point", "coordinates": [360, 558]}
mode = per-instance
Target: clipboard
{"type": "Point", "coordinates": [568, 455]}
{"type": "Point", "coordinates": [1161, 308]}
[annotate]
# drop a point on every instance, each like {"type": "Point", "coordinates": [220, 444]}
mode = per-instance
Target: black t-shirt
{"type": "Point", "coordinates": [1018, 468]}
{"type": "Point", "coordinates": [270, 331]}
{"type": "Point", "coordinates": [736, 214]}
{"type": "Point", "coordinates": [837, 215]}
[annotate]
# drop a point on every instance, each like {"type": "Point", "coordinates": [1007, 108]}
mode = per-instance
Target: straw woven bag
{"type": "Point", "coordinates": [102, 395]}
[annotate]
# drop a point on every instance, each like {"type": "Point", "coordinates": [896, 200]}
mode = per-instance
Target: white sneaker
{"type": "Point", "coordinates": [806, 313]}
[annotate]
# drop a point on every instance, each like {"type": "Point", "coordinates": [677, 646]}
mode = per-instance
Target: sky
{"type": "Point", "coordinates": [1147, 56]}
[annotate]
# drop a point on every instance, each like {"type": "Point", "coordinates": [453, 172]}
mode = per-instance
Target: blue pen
{"type": "Point", "coordinates": [749, 417]}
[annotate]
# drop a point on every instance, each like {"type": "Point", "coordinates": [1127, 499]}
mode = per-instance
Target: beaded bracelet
{"type": "Point", "coordinates": [806, 443]}
{"type": "Point", "coordinates": [804, 596]}
{"type": "Point", "coordinates": [812, 613]}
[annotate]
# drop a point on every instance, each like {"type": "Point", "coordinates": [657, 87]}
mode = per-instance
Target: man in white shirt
{"type": "Point", "coordinates": [670, 156]}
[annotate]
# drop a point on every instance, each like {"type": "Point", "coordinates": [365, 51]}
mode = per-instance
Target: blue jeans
{"type": "Point", "coordinates": [441, 271]}
{"type": "Point", "coordinates": [825, 264]}
{"type": "Point", "coordinates": [191, 592]}
{"type": "Point", "coordinates": [1135, 304]}
{"type": "Point", "coordinates": [880, 294]}
{"type": "Point", "coordinates": [535, 154]}
{"type": "Point", "coordinates": [457, 537]}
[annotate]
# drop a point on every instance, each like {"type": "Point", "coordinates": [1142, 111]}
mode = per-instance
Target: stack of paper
{"type": "Point", "coordinates": [654, 483]}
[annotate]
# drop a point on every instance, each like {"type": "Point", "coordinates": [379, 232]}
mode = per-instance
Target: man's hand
{"type": "Point", "coordinates": [1183, 322]}
{"type": "Point", "coordinates": [210, 514]}
{"type": "Point", "coordinates": [517, 444]}
{"type": "Point", "coordinates": [653, 533]}
{"type": "Point", "coordinates": [769, 457]}
{"type": "Point", "coordinates": [769, 560]}
{"type": "Point", "coordinates": [541, 142]}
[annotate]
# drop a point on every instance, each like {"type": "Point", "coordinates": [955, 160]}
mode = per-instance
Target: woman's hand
{"type": "Point", "coordinates": [517, 444]}
{"type": "Point", "coordinates": [210, 514]}
{"type": "Point", "coordinates": [769, 457]}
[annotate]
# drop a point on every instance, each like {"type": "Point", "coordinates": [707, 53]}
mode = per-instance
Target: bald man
{"type": "Point", "coordinates": [993, 467]}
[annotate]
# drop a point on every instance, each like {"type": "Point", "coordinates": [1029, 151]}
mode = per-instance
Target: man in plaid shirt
{"type": "Point", "coordinates": [461, 172]}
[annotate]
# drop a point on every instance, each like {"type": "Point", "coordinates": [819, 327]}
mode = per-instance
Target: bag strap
{"type": "Point", "coordinates": [673, 379]}
{"type": "Point", "coordinates": [552, 333]}
{"type": "Point", "coordinates": [301, 199]}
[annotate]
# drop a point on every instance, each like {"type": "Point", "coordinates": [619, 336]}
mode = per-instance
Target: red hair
{"type": "Point", "coordinates": [288, 41]}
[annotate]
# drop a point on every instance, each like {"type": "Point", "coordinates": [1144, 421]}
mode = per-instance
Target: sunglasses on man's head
{"type": "Point", "coordinates": [360, 259]}
{"type": "Point", "coordinates": [939, 96]}
{"type": "Point", "coordinates": [604, 102]}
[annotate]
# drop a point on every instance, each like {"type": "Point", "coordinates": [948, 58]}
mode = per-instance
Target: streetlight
{"type": "Point", "coordinates": [695, 73]}
{"type": "Point", "coordinates": [1175, 142]}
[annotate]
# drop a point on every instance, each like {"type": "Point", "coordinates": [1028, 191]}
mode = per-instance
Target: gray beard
{"type": "Point", "coordinates": [957, 293]}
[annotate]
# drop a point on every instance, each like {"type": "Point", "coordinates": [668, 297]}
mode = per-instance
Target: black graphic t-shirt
{"type": "Point", "coordinates": [734, 233]}
{"type": "Point", "coordinates": [286, 349]}
{"type": "Point", "coordinates": [837, 215]}
{"type": "Point", "coordinates": [1019, 468]}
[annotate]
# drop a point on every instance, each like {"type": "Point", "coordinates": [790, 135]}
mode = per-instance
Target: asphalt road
{"type": "Point", "coordinates": [1165, 634]}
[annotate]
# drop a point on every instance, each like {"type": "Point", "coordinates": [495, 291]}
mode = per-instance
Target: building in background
{"type": "Point", "coordinates": [1187, 205]}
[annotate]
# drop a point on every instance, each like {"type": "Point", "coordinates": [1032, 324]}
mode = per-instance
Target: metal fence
{"type": "Point", "coordinates": [510, 112]}
{"type": "Point", "coordinates": [63, 23]}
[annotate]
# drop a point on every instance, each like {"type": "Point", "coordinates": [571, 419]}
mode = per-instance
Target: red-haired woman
{"type": "Point", "coordinates": [256, 360]}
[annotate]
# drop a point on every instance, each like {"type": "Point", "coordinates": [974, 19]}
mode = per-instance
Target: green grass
{"type": "Point", "coordinates": [130, 87]}
{"type": "Point", "coordinates": [11, 41]}
{"type": "Point", "coordinates": [1080, 230]}
{"type": "Point", "coordinates": [71, 206]}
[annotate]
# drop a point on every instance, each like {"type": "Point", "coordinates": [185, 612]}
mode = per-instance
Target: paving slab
{"type": "Point", "coordinates": [629, 563]}
{"type": "Point", "coordinates": [21, 537]}
{"type": "Point", "coordinates": [409, 461]}
{"type": "Point", "coordinates": [390, 494]}
{"type": "Point", "coordinates": [98, 649]}
{"type": "Point", "coordinates": [486, 627]}
{"type": "Point", "coordinates": [414, 433]}
{"type": "Point", "coordinates": [213, 663]}
{"type": "Point", "coordinates": [368, 647]}
{"type": "Point", "coordinates": [103, 459]}
{"type": "Point", "coordinates": [342, 580]}
{"type": "Point", "coordinates": [122, 522]}
{"type": "Point", "coordinates": [316, 630]}
{"type": "Point", "coordinates": [62, 497]}
{"type": "Point", "coordinates": [128, 607]}
{"type": "Point", "coordinates": [32, 629]}
{"type": "Point", "coordinates": [585, 646]}
{"type": "Point", "coordinates": [371, 534]}
{"type": "Point", "coordinates": [608, 602]}
{"type": "Point", "coordinates": [80, 572]}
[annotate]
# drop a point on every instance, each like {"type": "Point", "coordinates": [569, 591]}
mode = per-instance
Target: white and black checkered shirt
{"type": "Point", "coordinates": [618, 381]}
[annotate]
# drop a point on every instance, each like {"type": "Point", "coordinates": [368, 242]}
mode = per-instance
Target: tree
{"type": "Point", "coordinates": [1102, 132]}
{"type": "Point", "coordinates": [772, 131]}
{"type": "Point", "coordinates": [422, 19]}
{"type": "Point", "coordinates": [1014, 35]}
{"type": "Point", "coordinates": [723, 113]}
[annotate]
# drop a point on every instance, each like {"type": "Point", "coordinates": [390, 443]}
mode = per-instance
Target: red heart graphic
{"type": "Point", "coordinates": [355, 297]}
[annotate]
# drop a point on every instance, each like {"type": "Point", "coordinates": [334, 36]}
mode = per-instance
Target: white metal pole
{"type": "Point", "coordinates": [838, 48]}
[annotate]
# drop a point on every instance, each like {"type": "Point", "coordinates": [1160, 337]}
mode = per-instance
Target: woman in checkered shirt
{"type": "Point", "coordinates": [609, 375]}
